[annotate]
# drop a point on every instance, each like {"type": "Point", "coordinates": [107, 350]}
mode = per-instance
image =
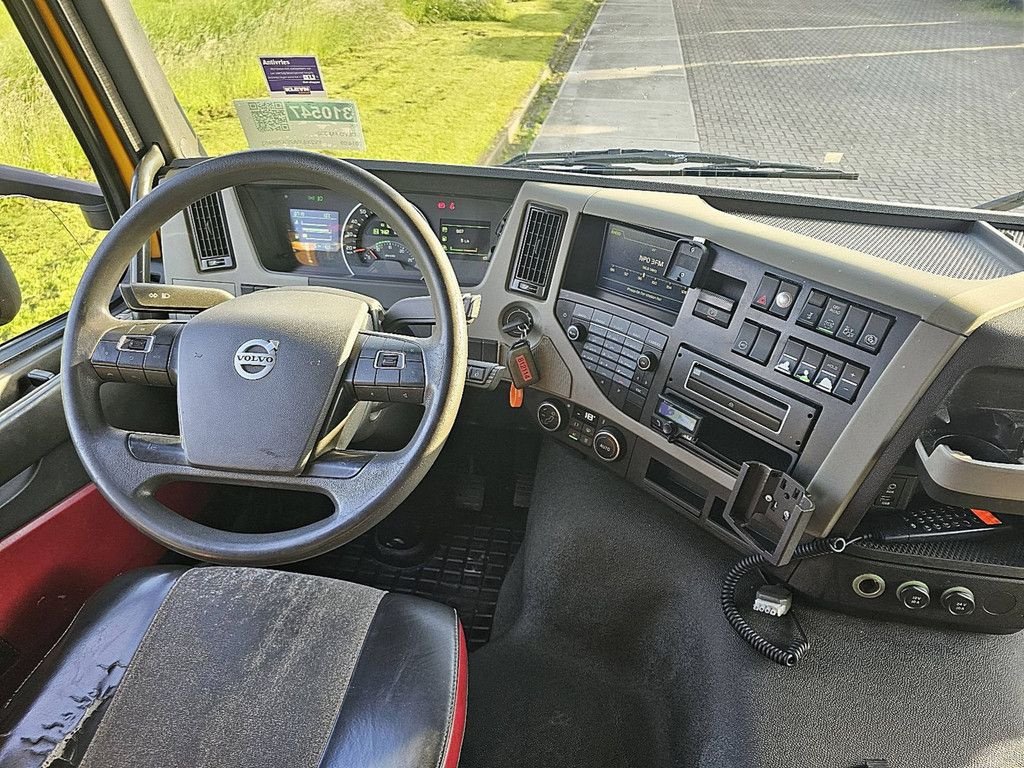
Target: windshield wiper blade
{"type": "Point", "coordinates": [1004, 203]}
{"type": "Point", "coordinates": [709, 170]}
{"type": "Point", "coordinates": [625, 162]}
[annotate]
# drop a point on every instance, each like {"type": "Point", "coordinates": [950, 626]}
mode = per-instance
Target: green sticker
{"type": "Point", "coordinates": [301, 123]}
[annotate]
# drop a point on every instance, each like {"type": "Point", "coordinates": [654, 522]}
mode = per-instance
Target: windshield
{"type": "Point", "coordinates": [922, 99]}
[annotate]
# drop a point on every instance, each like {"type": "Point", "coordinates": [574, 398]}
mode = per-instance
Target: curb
{"type": "Point", "coordinates": [569, 43]}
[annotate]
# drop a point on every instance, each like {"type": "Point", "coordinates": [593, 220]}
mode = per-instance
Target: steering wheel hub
{"type": "Point", "coordinates": [258, 405]}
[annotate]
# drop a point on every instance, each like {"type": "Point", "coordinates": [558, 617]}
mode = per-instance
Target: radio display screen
{"type": "Point", "coordinates": [635, 264]}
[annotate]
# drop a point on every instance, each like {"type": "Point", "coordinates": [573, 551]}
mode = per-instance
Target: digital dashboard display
{"type": "Point", "coordinates": [635, 264]}
{"type": "Point", "coordinates": [324, 234]}
{"type": "Point", "coordinates": [314, 232]}
{"type": "Point", "coordinates": [466, 238]}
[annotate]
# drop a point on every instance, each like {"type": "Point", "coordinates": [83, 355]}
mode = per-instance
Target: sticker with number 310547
{"type": "Point", "coordinates": [329, 111]}
{"type": "Point", "coordinates": [303, 124]}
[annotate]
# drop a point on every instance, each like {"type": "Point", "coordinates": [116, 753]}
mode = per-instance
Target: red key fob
{"type": "Point", "coordinates": [522, 367]}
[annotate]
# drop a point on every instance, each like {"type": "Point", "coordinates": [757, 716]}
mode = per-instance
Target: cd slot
{"type": "Point", "coordinates": [746, 402]}
{"type": "Point", "coordinates": [736, 399]}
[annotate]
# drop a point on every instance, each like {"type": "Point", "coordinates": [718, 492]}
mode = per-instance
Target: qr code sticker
{"type": "Point", "coordinates": [269, 116]}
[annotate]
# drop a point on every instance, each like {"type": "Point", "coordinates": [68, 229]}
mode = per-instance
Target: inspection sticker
{"type": "Point", "coordinates": [293, 75]}
{"type": "Point", "coordinates": [302, 124]}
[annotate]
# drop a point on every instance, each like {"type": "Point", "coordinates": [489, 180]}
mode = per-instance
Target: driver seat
{"type": "Point", "coordinates": [244, 668]}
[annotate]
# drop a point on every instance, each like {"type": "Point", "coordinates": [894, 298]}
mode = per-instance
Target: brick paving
{"type": "Point", "coordinates": [924, 98]}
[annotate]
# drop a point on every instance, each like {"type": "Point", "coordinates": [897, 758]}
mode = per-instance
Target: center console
{"type": "Point", "coordinates": [715, 352]}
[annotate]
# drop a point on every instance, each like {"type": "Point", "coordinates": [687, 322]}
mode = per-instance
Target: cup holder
{"type": "Point", "coordinates": [977, 448]}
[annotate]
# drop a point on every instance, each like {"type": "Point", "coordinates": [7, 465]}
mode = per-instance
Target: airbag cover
{"type": "Point", "coordinates": [257, 375]}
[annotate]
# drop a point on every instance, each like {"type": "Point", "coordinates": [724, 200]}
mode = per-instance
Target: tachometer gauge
{"type": "Point", "coordinates": [366, 239]}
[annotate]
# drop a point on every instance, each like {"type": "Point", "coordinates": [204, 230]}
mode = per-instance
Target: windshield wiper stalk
{"type": "Point", "coordinates": [630, 162]}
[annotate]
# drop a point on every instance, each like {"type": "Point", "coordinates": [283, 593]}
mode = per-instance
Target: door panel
{"type": "Point", "coordinates": [38, 466]}
{"type": "Point", "coordinates": [14, 382]}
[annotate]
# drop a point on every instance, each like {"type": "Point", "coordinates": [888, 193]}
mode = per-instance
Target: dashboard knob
{"type": "Point", "coordinates": [913, 595]}
{"type": "Point", "coordinates": [959, 601]}
{"type": "Point", "coordinates": [549, 416]}
{"type": "Point", "coordinates": [608, 444]}
{"type": "Point", "coordinates": [576, 332]}
{"type": "Point", "coordinates": [646, 362]}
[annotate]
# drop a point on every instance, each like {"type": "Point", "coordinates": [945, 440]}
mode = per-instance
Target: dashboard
{"type": "Point", "coordinates": [679, 332]}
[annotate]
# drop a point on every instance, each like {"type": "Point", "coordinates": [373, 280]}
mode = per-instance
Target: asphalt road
{"type": "Point", "coordinates": [924, 98]}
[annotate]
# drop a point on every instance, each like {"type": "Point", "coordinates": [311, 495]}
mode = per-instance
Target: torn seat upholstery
{"type": "Point", "coordinates": [246, 668]}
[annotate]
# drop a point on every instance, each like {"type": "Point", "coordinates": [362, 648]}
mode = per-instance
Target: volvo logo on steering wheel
{"type": "Point", "coordinates": [256, 358]}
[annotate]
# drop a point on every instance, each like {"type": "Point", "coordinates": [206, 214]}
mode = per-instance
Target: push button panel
{"type": "Point", "coordinates": [586, 431]}
{"type": "Point", "coordinates": [755, 342]}
{"type": "Point", "coordinates": [387, 370]}
{"type": "Point", "coordinates": [822, 370]}
{"type": "Point", "coordinates": [775, 295]}
{"type": "Point", "coordinates": [844, 321]}
{"type": "Point", "coordinates": [141, 356]}
{"type": "Point", "coordinates": [620, 355]}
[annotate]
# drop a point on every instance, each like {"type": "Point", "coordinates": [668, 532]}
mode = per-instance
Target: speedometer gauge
{"type": "Point", "coordinates": [367, 239]}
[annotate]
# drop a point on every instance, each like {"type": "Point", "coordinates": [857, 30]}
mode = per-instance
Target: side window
{"type": "Point", "coordinates": [47, 244]}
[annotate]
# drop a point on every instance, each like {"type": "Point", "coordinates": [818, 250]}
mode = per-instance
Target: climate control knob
{"type": "Point", "coordinates": [914, 595]}
{"type": "Point", "coordinates": [608, 444]}
{"type": "Point", "coordinates": [576, 332]}
{"type": "Point", "coordinates": [646, 362]}
{"type": "Point", "coordinates": [549, 416]}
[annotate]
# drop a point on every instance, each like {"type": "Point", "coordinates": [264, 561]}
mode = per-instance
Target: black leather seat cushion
{"type": "Point", "coordinates": [404, 706]}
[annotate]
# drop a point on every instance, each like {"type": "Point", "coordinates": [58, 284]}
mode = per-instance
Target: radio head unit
{"type": "Point", "coordinates": [649, 267]}
{"type": "Point", "coordinates": [646, 270]}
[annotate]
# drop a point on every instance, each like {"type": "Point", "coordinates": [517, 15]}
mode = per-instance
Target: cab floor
{"type": "Point", "coordinates": [464, 569]}
{"type": "Point", "coordinates": [452, 541]}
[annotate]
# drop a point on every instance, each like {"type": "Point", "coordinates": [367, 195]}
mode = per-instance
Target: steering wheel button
{"type": "Point", "coordinates": [157, 358]}
{"type": "Point", "coordinates": [167, 333]}
{"type": "Point", "coordinates": [108, 373]}
{"type": "Point", "coordinates": [371, 394]}
{"type": "Point", "coordinates": [405, 394]}
{"type": "Point", "coordinates": [388, 359]}
{"type": "Point", "coordinates": [133, 376]}
{"type": "Point", "coordinates": [131, 360]}
{"type": "Point", "coordinates": [106, 353]}
{"type": "Point", "coordinates": [157, 378]}
{"type": "Point", "coordinates": [365, 372]}
{"type": "Point", "coordinates": [135, 343]}
{"type": "Point", "coordinates": [387, 377]}
{"type": "Point", "coordinates": [412, 375]}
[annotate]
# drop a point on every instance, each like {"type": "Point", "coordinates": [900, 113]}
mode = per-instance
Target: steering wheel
{"type": "Point", "coordinates": [261, 378]}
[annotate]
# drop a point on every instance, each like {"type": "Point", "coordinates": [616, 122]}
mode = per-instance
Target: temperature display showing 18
{"type": "Point", "coordinates": [634, 264]}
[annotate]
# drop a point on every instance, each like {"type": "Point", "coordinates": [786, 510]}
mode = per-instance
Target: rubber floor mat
{"type": "Point", "coordinates": [458, 532]}
{"type": "Point", "coordinates": [464, 570]}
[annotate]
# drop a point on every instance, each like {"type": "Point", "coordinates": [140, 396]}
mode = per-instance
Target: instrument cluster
{"type": "Point", "coordinates": [319, 233]}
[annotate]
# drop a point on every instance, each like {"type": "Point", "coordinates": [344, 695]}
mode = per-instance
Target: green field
{"type": "Point", "coordinates": [435, 80]}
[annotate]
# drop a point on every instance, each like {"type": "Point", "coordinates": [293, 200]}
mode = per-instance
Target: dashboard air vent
{"type": "Point", "coordinates": [210, 240]}
{"type": "Point", "coordinates": [536, 251]}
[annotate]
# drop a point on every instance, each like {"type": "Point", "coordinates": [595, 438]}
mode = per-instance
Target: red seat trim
{"type": "Point", "coordinates": [458, 728]}
{"type": "Point", "coordinates": [52, 565]}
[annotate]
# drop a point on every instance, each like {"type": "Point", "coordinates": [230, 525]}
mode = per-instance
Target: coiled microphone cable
{"type": "Point", "coordinates": [792, 654]}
